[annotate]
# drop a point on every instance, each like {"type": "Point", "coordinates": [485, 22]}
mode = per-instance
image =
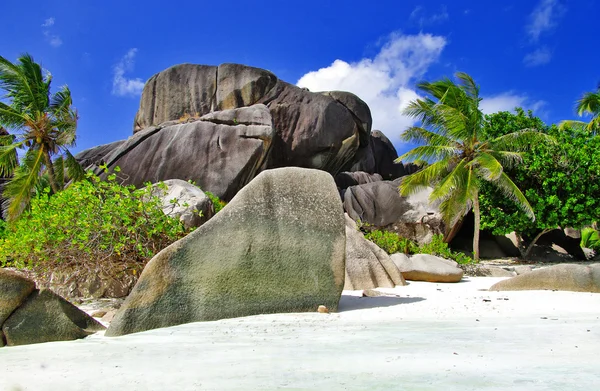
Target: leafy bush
{"type": "Point", "coordinates": [590, 238]}
{"type": "Point", "coordinates": [438, 247]}
{"type": "Point", "coordinates": [217, 202]}
{"type": "Point", "coordinates": [92, 224]}
{"type": "Point", "coordinates": [391, 243]}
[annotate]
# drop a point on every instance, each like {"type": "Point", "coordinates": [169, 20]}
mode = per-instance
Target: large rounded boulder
{"type": "Point", "coordinates": [564, 277]}
{"type": "Point", "coordinates": [278, 246]}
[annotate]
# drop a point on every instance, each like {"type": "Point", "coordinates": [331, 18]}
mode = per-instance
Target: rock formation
{"type": "Point", "coordinates": [367, 265]}
{"type": "Point", "coordinates": [564, 277]}
{"type": "Point", "coordinates": [380, 204]}
{"type": "Point", "coordinates": [182, 133]}
{"type": "Point", "coordinates": [425, 267]}
{"type": "Point", "coordinates": [28, 315]}
{"type": "Point", "coordinates": [183, 200]}
{"type": "Point", "coordinates": [278, 246]}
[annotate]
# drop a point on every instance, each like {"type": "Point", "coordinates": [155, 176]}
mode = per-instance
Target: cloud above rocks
{"type": "Point", "coordinates": [386, 81]}
{"type": "Point", "coordinates": [53, 39]}
{"type": "Point", "coordinates": [544, 18]}
{"type": "Point", "coordinates": [123, 86]}
{"type": "Point", "coordinates": [508, 101]}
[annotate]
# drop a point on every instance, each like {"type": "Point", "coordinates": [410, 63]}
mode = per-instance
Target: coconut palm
{"type": "Point", "coordinates": [588, 104]}
{"type": "Point", "coordinates": [42, 124]}
{"type": "Point", "coordinates": [461, 156]}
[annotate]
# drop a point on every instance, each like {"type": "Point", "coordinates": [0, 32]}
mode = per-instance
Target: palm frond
{"type": "Point", "coordinates": [59, 172]}
{"type": "Point", "coordinates": [510, 190]}
{"type": "Point", "coordinates": [421, 135]}
{"type": "Point", "coordinates": [572, 124]}
{"type": "Point", "coordinates": [450, 183]}
{"type": "Point", "coordinates": [428, 176]}
{"type": "Point", "coordinates": [589, 104]}
{"type": "Point", "coordinates": [61, 101]}
{"type": "Point", "coordinates": [508, 159]}
{"type": "Point", "coordinates": [12, 118]}
{"type": "Point", "coordinates": [487, 166]}
{"type": "Point", "coordinates": [456, 206]}
{"type": "Point", "coordinates": [468, 84]}
{"type": "Point", "coordinates": [19, 190]}
{"type": "Point", "coordinates": [73, 168]}
{"type": "Point", "coordinates": [428, 152]}
{"type": "Point", "coordinates": [522, 140]}
{"type": "Point", "coordinates": [8, 155]}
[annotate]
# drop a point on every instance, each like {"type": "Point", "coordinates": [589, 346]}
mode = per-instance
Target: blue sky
{"type": "Point", "coordinates": [539, 54]}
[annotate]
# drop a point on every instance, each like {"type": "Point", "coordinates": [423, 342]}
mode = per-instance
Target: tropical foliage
{"type": "Point", "coordinates": [561, 181]}
{"type": "Point", "coordinates": [590, 238]}
{"type": "Point", "coordinates": [392, 243]}
{"type": "Point", "coordinates": [91, 225]}
{"type": "Point", "coordinates": [462, 157]}
{"type": "Point", "coordinates": [42, 124]}
{"type": "Point", "coordinates": [588, 104]}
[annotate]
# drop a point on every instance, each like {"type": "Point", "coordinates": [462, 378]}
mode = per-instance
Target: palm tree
{"type": "Point", "coordinates": [43, 124]}
{"type": "Point", "coordinates": [588, 104]}
{"type": "Point", "coordinates": [461, 155]}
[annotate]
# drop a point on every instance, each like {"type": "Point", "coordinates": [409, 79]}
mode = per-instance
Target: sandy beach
{"type": "Point", "coordinates": [423, 336]}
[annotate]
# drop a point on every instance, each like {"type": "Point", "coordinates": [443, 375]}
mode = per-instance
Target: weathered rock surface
{"type": "Point", "coordinates": [494, 271]}
{"type": "Point", "coordinates": [379, 158]}
{"type": "Point", "coordinates": [380, 204]}
{"type": "Point", "coordinates": [367, 265]}
{"type": "Point", "coordinates": [221, 152]}
{"type": "Point", "coordinates": [179, 90]}
{"type": "Point", "coordinates": [191, 206]}
{"type": "Point", "coordinates": [314, 130]}
{"type": "Point", "coordinates": [85, 284]}
{"type": "Point", "coordinates": [425, 267]}
{"type": "Point", "coordinates": [564, 277]}
{"type": "Point", "coordinates": [46, 317]}
{"type": "Point", "coordinates": [14, 289]}
{"type": "Point", "coordinates": [278, 246]}
{"type": "Point", "coordinates": [344, 180]}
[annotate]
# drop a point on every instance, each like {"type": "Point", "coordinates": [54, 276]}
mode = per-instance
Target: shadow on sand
{"type": "Point", "coordinates": [351, 303]}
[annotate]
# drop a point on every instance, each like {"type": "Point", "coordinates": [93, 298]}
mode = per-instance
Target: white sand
{"type": "Point", "coordinates": [433, 337]}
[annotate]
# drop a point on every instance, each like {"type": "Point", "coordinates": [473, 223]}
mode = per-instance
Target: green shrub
{"type": "Point", "coordinates": [590, 238]}
{"type": "Point", "coordinates": [92, 224]}
{"type": "Point", "coordinates": [392, 243]}
{"type": "Point", "coordinates": [438, 247]}
{"type": "Point", "coordinates": [217, 202]}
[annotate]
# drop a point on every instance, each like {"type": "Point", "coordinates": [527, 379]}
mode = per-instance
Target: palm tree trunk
{"type": "Point", "coordinates": [50, 168]}
{"type": "Point", "coordinates": [534, 241]}
{"type": "Point", "coordinates": [477, 225]}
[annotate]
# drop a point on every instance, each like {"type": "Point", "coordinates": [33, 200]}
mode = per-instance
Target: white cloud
{"type": "Point", "coordinates": [48, 22]}
{"type": "Point", "coordinates": [53, 39]}
{"type": "Point", "coordinates": [418, 15]}
{"type": "Point", "coordinates": [385, 81]}
{"type": "Point", "coordinates": [123, 86]}
{"type": "Point", "coordinates": [544, 18]}
{"type": "Point", "coordinates": [540, 56]}
{"type": "Point", "coordinates": [508, 101]}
